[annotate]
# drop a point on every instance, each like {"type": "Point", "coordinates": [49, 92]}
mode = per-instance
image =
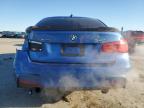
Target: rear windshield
{"type": "Point", "coordinates": [71, 24]}
{"type": "Point", "coordinates": [74, 23]}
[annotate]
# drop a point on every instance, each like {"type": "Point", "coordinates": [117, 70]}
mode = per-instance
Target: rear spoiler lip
{"type": "Point", "coordinates": [65, 37]}
{"type": "Point", "coordinates": [99, 29]}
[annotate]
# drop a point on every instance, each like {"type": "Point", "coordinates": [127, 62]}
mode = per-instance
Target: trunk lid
{"type": "Point", "coordinates": [72, 47]}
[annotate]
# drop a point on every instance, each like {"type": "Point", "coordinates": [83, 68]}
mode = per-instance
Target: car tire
{"type": "Point", "coordinates": [53, 95]}
{"type": "Point", "coordinates": [104, 91]}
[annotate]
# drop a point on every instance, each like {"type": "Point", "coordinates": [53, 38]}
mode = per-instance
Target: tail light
{"type": "Point", "coordinates": [118, 46]}
{"type": "Point", "coordinates": [35, 46]}
{"type": "Point", "coordinates": [140, 37]}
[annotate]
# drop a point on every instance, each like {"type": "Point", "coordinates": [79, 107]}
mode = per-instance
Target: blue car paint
{"type": "Point", "coordinates": [83, 72]}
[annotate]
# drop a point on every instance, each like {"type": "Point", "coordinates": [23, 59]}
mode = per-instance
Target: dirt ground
{"type": "Point", "coordinates": [130, 97]}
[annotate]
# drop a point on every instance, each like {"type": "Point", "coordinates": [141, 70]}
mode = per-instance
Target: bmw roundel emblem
{"type": "Point", "coordinates": [73, 37]}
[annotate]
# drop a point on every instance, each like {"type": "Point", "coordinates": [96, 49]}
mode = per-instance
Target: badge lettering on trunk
{"type": "Point", "coordinates": [73, 37]}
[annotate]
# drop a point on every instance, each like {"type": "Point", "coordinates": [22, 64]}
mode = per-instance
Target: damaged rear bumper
{"type": "Point", "coordinates": [65, 76]}
{"type": "Point", "coordinates": [69, 83]}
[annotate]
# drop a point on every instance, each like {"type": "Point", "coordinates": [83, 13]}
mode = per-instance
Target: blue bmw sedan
{"type": "Point", "coordinates": [72, 53]}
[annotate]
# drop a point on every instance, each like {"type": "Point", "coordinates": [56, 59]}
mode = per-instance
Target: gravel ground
{"type": "Point", "coordinates": [10, 96]}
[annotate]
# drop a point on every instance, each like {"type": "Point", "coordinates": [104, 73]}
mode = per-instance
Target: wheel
{"type": "Point", "coordinates": [104, 91]}
{"type": "Point", "coordinates": [132, 47]}
{"type": "Point", "coordinates": [53, 95]}
{"type": "Point", "coordinates": [38, 90]}
{"type": "Point", "coordinates": [131, 50]}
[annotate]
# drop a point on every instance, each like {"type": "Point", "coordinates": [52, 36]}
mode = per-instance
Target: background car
{"type": "Point", "coordinates": [139, 36]}
{"type": "Point", "coordinates": [20, 34]}
{"type": "Point", "coordinates": [63, 54]}
{"type": "Point", "coordinates": [130, 37]}
{"type": "Point", "coordinates": [133, 38]}
{"type": "Point", "coordinates": [1, 34]}
{"type": "Point", "coordinates": [8, 34]}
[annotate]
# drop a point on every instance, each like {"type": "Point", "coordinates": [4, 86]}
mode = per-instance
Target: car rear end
{"type": "Point", "coordinates": [72, 59]}
{"type": "Point", "coordinates": [1, 34]}
{"type": "Point", "coordinates": [139, 37]}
